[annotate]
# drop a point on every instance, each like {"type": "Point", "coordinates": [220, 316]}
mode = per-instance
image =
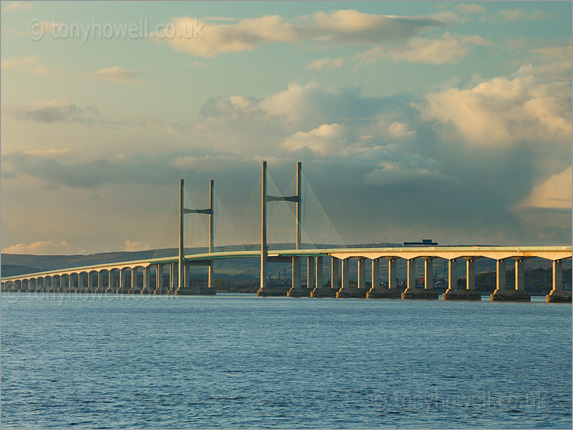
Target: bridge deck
{"type": "Point", "coordinates": [497, 253]}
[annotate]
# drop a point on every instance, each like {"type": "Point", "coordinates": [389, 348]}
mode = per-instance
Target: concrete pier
{"type": "Point", "coordinates": [297, 290]}
{"type": "Point", "coordinates": [362, 290]}
{"type": "Point", "coordinates": [322, 290]}
{"type": "Point", "coordinates": [159, 287]}
{"type": "Point", "coordinates": [172, 278]}
{"type": "Point", "coordinates": [502, 293]}
{"type": "Point", "coordinates": [146, 288]}
{"type": "Point", "coordinates": [121, 287]}
{"type": "Point", "coordinates": [468, 293]}
{"type": "Point", "coordinates": [558, 294]}
{"type": "Point", "coordinates": [90, 286]}
{"type": "Point", "coordinates": [310, 274]}
{"type": "Point", "coordinates": [109, 288]}
{"type": "Point", "coordinates": [413, 293]}
{"type": "Point", "coordinates": [48, 284]}
{"type": "Point", "coordinates": [335, 273]}
{"type": "Point", "coordinates": [134, 289]}
{"type": "Point", "coordinates": [62, 286]}
{"type": "Point", "coordinates": [379, 291]}
{"type": "Point", "coordinates": [190, 289]}
{"type": "Point", "coordinates": [71, 285]}
{"type": "Point", "coordinates": [345, 291]}
{"type": "Point", "coordinates": [100, 279]}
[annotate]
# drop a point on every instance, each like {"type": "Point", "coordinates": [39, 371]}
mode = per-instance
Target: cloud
{"type": "Point", "coordinates": [448, 17]}
{"type": "Point", "coordinates": [414, 170]}
{"type": "Point", "coordinates": [47, 152]}
{"type": "Point", "coordinates": [117, 75]}
{"type": "Point", "coordinates": [470, 8]}
{"type": "Point", "coordinates": [399, 129]}
{"type": "Point", "coordinates": [515, 15]}
{"type": "Point", "coordinates": [555, 192]}
{"type": "Point", "coordinates": [388, 156]}
{"type": "Point", "coordinates": [133, 246]}
{"type": "Point", "coordinates": [327, 139]}
{"type": "Point", "coordinates": [219, 18]}
{"type": "Point", "coordinates": [73, 169]}
{"type": "Point", "coordinates": [299, 106]}
{"type": "Point", "coordinates": [31, 65]}
{"type": "Point", "coordinates": [447, 48]}
{"type": "Point", "coordinates": [155, 124]}
{"type": "Point", "coordinates": [503, 111]}
{"type": "Point", "coordinates": [40, 248]}
{"type": "Point", "coordinates": [310, 103]}
{"type": "Point", "coordinates": [206, 39]}
{"type": "Point", "coordinates": [203, 39]}
{"type": "Point", "coordinates": [352, 26]}
{"type": "Point", "coordinates": [18, 5]}
{"type": "Point", "coordinates": [325, 63]}
{"type": "Point", "coordinates": [562, 53]}
{"type": "Point", "coordinates": [52, 111]}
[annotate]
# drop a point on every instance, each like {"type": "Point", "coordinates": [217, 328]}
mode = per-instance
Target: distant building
{"type": "Point", "coordinates": [424, 242]}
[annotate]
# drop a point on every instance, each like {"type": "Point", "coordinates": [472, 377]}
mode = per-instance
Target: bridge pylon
{"type": "Point", "coordinates": [296, 290]}
{"type": "Point", "coordinates": [184, 287]}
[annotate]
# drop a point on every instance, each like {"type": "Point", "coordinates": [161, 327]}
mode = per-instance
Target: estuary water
{"type": "Point", "coordinates": [238, 361]}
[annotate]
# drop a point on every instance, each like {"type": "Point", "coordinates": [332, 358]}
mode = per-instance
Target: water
{"type": "Point", "coordinates": [238, 361]}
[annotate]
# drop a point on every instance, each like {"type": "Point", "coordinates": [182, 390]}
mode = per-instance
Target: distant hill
{"type": "Point", "coordinates": [14, 270]}
{"type": "Point", "coordinates": [33, 263]}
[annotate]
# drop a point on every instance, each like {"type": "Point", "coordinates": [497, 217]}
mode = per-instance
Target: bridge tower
{"type": "Point", "coordinates": [296, 290]}
{"type": "Point", "coordinates": [183, 267]}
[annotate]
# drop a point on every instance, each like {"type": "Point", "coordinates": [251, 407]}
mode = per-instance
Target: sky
{"type": "Point", "coordinates": [441, 120]}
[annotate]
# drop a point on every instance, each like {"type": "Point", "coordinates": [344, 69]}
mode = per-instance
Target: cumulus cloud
{"type": "Point", "coordinates": [40, 248]}
{"type": "Point", "coordinates": [207, 39]}
{"type": "Point", "coordinates": [235, 106]}
{"type": "Point", "coordinates": [299, 106]}
{"type": "Point", "coordinates": [504, 111]}
{"type": "Point", "coordinates": [325, 63]}
{"type": "Point", "coordinates": [352, 26]}
{"type": "Point", "coordinates": [312, 102]}
{"type": "Point", "coordinates": [327, 139]}
{"type": "Point", "coordinates": [134, 246]}
{"type": "Point", "coordinates": [413, 152]}
{"type": "Point", "coordinates": [52, 111]}
{"type": "Point", "coordinates": [555, 192]}
{"type": "Point", "coordinates": [399, 129]}
{"type": "Point", "coordinates": [447, 48]}
{"type": "Point", "coordinates": [117, 74]}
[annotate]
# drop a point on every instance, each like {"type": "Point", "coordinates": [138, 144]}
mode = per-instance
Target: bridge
{"type": "Point", "coordinates": [168, 279]}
